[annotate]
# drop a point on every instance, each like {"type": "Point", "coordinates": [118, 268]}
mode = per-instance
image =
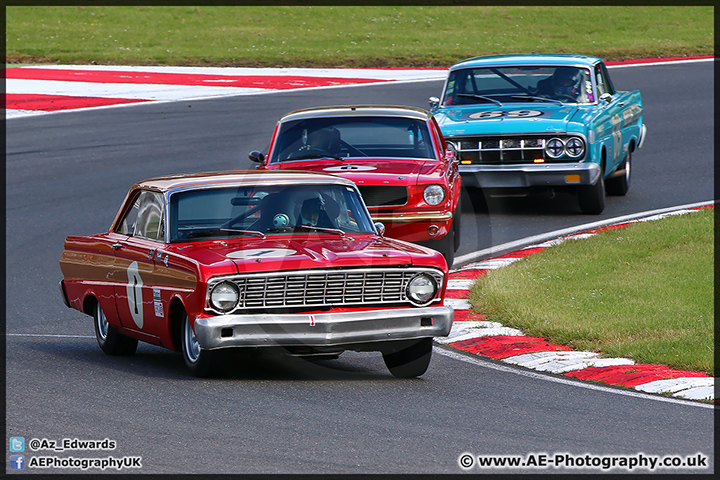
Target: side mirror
{"type": "Point", "coordinates": [256, 156]}
{"type": "Point", "coordinates": [434, 103]}
{"type": "Point", "coordinates": [606, 97]}
{"type": "Point", "coordinates": [451, 152]}
{"type": "Point", "coordinates": [380, 228]}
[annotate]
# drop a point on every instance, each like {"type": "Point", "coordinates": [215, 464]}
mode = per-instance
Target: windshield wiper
{"type": "Point", "coordinates": [244, 232]}
{"type": "Point", "coordinates": [220, 231]}
{"type": "Point", "coordinates": [531, 97]}
{"type": "Point", "coordinates": [480, 97]}
{"type": "Point", "coordinates": [301, 228]}
{"type": "Point", "coordinates": [313, 155]}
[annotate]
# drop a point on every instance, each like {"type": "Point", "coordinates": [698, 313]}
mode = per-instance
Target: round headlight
{"type": "Point", "coordinates": [554, 148]}
{"type": "Point", "coordinates": [224, 296]}
{"type": "Point", "coordinates": [421, 289]}
{"type": "Point", "coordinates": [434, 194]}
{"type": "Point", "coordinates": [575, 147]}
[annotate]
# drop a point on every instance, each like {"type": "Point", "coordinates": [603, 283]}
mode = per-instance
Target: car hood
{"type": "Point", "coordinates": [306, 252]}
{"type": "Point", "coordinates": [371, 170]}
{"type": "Point", "coordinates": [508, 119]}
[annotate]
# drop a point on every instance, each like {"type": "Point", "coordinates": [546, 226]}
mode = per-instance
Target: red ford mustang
{"type": "Point", "coordinates": [259, 260]}
{"type": "Point", "coordinates": [397, 156]}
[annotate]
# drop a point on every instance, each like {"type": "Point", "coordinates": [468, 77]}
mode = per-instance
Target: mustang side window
{"type": "Point", "coordinates": [149, 223]}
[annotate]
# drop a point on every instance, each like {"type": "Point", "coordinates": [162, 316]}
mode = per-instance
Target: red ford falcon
{"type": "Point", "coordinates": [406, 173]}
{"type": "Point", "coordinates": [287, 261]}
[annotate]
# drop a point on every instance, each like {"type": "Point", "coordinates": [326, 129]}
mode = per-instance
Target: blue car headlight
{"type": "Point", "coordinates": [572, 147]}
{"type": "Point", "coordinates": [554, 148]}
{"type": "Point", "coordinates": [575, 147]}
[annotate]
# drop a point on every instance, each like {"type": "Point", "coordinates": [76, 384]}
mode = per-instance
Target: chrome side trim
{"type": "Point", "coordinates": [413, 217]}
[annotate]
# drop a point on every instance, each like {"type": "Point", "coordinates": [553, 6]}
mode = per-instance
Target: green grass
{"type": "Point", "coordinates": [366, 36]}
{"type": "Point", "coordinates": [644, 292]}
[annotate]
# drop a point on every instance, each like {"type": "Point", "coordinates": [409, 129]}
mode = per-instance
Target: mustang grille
{"type": "Point", "coordinates": [505, 150]}
{"type": "Point", "coordinates": [380, 196]}
{"type": "Point", "coordinates": [323, 288]}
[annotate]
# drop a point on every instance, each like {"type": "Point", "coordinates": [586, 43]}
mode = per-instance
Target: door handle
{"type": "Point", "coordinates": [116, 246]}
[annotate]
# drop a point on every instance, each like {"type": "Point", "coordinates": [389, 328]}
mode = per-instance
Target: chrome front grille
{"type": "Point", "coordinates": [505, 150]}
{"type": "Point", "coordinates": [322, 288]}
{"type": "Point", "coordinates": [384, 196]}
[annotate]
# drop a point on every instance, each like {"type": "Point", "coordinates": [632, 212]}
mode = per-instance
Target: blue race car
{"type": "Point", "coordinates": [523, 122]}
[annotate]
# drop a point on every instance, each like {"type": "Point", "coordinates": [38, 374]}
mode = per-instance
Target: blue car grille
{"type": "Point", "coordinates": [505, 150]}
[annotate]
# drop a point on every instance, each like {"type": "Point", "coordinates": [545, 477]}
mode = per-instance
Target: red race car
{"type": "Point", "coordinates": [407, 174]}
{"type": "Point", "coordinates": [261, 260]}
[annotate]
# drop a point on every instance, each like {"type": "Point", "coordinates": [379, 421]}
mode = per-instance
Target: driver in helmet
{"type": "Point", "coordinates": [564, 84]}
{"type": "Point", "coordinates": [310, 211]}
{"type": "Point", "coordinates": [325, 139]}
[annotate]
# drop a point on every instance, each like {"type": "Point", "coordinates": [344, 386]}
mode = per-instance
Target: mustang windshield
{"type": "Point", "coordinates": [346, 137]}
{"type": "Point", "coordinates": [262, 210]}
{"type": "Point", "coordinates": [519, 84]}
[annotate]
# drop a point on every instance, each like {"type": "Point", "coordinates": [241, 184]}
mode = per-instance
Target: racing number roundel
{"type": "Point", "coordinates": [501, 113]}
{"type": "Point", "coordinates": [134, 294]}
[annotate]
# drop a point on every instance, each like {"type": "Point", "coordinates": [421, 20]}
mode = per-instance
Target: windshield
{"type": "Point", "coordinates": [500, 85]}
{"type": "Point", "coordinates": [262, 210]}
{"type": "Point", "coordinates": [347, 137]}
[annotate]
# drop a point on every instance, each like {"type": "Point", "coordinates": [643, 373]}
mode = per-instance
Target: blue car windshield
{"type": "Point", "coordinates": [264, 210]}
{"type": "Point", "coordinates": [500, 85]}
{"type": "Point", "coordinates": [348, 137]}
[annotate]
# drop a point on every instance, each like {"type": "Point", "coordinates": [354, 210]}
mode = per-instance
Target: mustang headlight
{"type": "Point", "coordinates": [434, 194]}
{"type": "Point", "coordinates": [421, 289]}
{"type": "Point", "coordinates": [224, 296]}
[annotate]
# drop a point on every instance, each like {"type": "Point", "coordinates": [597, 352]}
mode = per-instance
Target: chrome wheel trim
{"type": "Point", "coordinates": [191, 345]}
{"type": "Point", "coordinates": [627, 168]}
{"type": "Point", "coordinates": [101, 322]}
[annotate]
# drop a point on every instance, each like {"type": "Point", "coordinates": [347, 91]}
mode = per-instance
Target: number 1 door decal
{"type": "Point", "coordinates": [134, 294]}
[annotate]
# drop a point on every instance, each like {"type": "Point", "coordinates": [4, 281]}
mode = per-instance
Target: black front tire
{"type": "Point", "coordinates": [592, 197]}
{"type": "Point", "coordinates": [619, 185]}
{"type": "Point", "coordinates": [109, 339]}
{"type": "Point", "coordinates": [411, 361]}
{"type": "Point", "coordinates": [201, 363]}
{"type": "Point", "coordinates": [446, 246]}
{"type": "Point", "coordinates": [456, 226]}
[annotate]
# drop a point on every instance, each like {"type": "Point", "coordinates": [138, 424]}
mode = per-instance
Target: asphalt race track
{"type": "Point", "coordinates": [68, 173]}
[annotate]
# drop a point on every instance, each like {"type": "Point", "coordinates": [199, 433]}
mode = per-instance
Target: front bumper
{"type": "Point", "coordinates": [524, 176]}
{"type": "Point", "coordinates": [323, 329]}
